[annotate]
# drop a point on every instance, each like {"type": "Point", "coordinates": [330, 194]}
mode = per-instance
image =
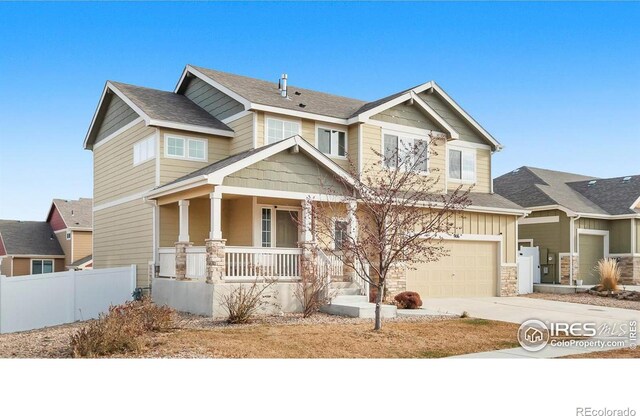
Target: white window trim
{"type": "Point", "coordinates": [150, 137]}
{"type": "Point", "coordinates": [258, 221]}
{"type": "Point", "coordinates": [414, 136]}
{"type": "Point", "coordinates": [463, 150]}
{"type": "Point", "coordinates": [284, 120]}
{"type": "Point", "coordinates": [346, 141]}
{"type": "Point", "coordinates": [186, 147]}
{"type": "Point", "coordinates": [68, 235]}
{"type": "Point", "coordinates": [53, 265]}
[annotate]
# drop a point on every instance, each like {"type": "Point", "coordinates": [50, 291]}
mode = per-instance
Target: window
{"type": "Point", "coordinates": [405, 151]}
{"type": "Point", "coordinates": [462, 164]}
{"type": "Point", "coordinates": [144, 150]}
{"type": "Point", "coordinates": [185, 148]}
{"type": "Point", "coordinates": [332, 142]}
{"type": "Point", "coordinates": [339, 232]}
{"type": "Point", "coordinates": [266, 227]}
{"type": "Point", "coordinates": [41, 266]}
{"type": "Point", "coordinates": [278, 130]}
{"type": "Point", "coordinates": [68, 235]}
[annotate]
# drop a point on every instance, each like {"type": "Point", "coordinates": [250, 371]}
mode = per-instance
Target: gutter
{"type": "Point", "coordinates": [572, 246]}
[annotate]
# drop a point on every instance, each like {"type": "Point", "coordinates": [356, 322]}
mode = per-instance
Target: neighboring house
{"type": "Point", "coordinates": [29, 247]}
{"type": "Point", "coordinates": [72, 223]}
{"type": "Point", "coordinates": [590, 217]}
{"type": "Point", "coordinates": [202, 182]}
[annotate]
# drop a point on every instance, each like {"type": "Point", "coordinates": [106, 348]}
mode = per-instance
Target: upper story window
{"type": "Point", "coordinates": [277, 130]}
{"type": "Point", "coordinates": [68, 236]}
{"type": "Point", "coordinates": [176, 147]}
{"type": "Point", "coordinates": [144, 150]}
{"type": "Point", "coordinates": [41, 266]}
{"type": "Point", "coordinates": [332, 142]}
{"type": "Point", "coordinates": [405, 150]}
{"type": "Point", "coordinates": [462, 164]}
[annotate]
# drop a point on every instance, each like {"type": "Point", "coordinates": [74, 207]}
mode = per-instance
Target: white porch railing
{"type": "Point", "coordinates": [196, 262]}
{"type": "Point", "coordinates": [262, 262]}
{"type": "Point", "coordinates": [167, 259]}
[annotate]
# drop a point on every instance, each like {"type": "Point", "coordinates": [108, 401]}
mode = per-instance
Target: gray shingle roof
{"type": "Point", "coordinates": [29, 237]}
{"type": "Point", "coordinates": [168, 106]}
{"type": "Point", "coordinates": [492, 201]}
{"type": "Point", "coordinates": [267, 93]}
{"type": "Point", "coordinates": [614, 195]}
{"type": "Point", "coordinates": [81, 261]}
{"type": "Point", "coordinates": [532, 187]}
{"type": "Point", "coordinates": [76, 213]}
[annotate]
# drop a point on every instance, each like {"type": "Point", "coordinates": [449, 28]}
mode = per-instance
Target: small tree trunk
{"type": "Point", "coordinates": [378, 324]}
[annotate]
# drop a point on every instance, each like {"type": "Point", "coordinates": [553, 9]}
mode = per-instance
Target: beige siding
{"type": "Point", "coordinates": [172, 169]}
{"type": "Point", "coordinates": [407, 115]}
{"type": "Point", "coordinates": [199, 220]}
{"type": "Point", "coordinates": [243, 128]}
{"type": "Point", "coordinates": [239, 230]}
{"type": "Point", "coordinates": [5, 267]}
{"type": "Point", "coordinates": [637, 221]}
{"type": "Point", "coordinates": [466, 131]}
{"type": "Point", "coordinates": [113, 169]}
{"type": "Point", "coordinates": [371, 143]}
{"type": "Point", "coordinates": [117, 115]}
{"type": "Point", "coordinates": [353, 153]}
{"type": "Point", "coordinates": [483, 173]}
{"type": "Point", "coordinates": [169, 224]}
{"type": "Point", "coordinates": [285, 172]}
{"type": "Point", "coordinates": [123, 236]}
{"type": "Point", "coordinates": [66, 246]}
{"type": "Point", "coordinates": [82, 244]}
{"type": "Point", "coordinates": [21, 266]}
{"type": "Point", "coordinates": [491, 224]}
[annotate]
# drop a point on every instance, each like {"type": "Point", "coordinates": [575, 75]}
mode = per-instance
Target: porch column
{"type": "Point", "coordinates": [183, 240]}
{"type": "Point", "coordinates": [216, 259]}
{"type": "Point", "coordinates": [308, 257]}
{"type": "Point", "coordinates": [352, 231]}
{"type": "Point", "coordinates": [307, 235]}
{"type": "Point", "coordinates": [183, 206]}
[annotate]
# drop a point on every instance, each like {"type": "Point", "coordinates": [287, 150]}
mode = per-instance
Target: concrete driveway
{"type": "Point", "coordinates": [520, 309]}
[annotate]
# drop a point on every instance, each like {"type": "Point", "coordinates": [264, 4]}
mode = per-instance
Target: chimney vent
{"type": "Point", "coordinates": [283, 85]}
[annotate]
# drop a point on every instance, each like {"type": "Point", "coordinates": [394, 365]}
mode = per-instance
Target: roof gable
{"type": "Point", "coordinates": [29, 237]}
{"type": "Point", "coordinates": [155, 107]}
{"type": "Point", "coordinates": [74, 213]}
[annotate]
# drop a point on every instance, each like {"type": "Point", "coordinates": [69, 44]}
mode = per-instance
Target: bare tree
{"type": "Point", "coordinates": [403, 214]}
{"type": "Point", "coordinates": [312, 291]}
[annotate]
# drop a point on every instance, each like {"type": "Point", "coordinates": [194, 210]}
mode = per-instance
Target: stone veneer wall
{"type": "Point", "coordinates": [396, 281]}
{"type": "Point", "coordinates": [565, 269]}
{"type": "Point", "coordinates": [508, 280]}
{"type": "Point", "coordinates": [629, 270]}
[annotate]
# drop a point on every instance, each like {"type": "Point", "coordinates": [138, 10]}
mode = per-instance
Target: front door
{"type": "Point", "coordinates": [279, 228]}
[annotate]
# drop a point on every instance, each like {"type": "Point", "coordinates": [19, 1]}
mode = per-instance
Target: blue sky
{"type": "Point", "coordinates": [556, 83]}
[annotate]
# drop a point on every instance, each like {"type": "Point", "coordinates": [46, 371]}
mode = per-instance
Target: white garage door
{"type": "Point", "coordinates": [470, 270]}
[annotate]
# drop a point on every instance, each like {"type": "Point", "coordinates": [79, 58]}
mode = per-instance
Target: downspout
{"type": "Point", "coordinates": [572, 245]}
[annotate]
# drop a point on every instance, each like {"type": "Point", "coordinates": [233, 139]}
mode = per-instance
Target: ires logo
{"type": "Point", "coordinates": [577, 329]}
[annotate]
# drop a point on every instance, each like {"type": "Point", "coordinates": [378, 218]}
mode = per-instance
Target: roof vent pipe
{"type": "Point", "coordinates": [283, 85]}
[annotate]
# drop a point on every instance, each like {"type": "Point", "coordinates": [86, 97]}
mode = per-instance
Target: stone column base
{"type": "Point", "coordinates": [181, 259]}
{"type": "Point", "coordinates": [508, 280]}
{"type": "Point", "coordinates": [565, 270]}
{"type": "Point", "coordinates": [216, 262]}
{"type": "Point", "coordinates": [396, 281]}
{"type": "Point", "coordinates": [629, 270]}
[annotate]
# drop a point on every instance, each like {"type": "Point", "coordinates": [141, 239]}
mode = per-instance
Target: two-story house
{"type": "Point", "coordinates": [204, 181]}
{"type": "Point", "coordinates": [72, 223]}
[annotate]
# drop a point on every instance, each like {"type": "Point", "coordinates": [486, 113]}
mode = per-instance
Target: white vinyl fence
{"type": "Point", "coordinates": [38, 301]}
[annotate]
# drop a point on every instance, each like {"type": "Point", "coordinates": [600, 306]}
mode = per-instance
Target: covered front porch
{"type": "Point", "coordinates": [231, 236]}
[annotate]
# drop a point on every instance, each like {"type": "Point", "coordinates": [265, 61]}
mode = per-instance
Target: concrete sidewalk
{"type": "Point", "coordinates": [547, 352]}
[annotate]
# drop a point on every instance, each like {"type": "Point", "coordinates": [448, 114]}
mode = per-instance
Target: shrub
{"type": "Point", "coordinates": [243, 302]}
{"type": "Point", "coordinates": [312, 291]}
{"type": "Point", "coordinates": [121, 329]}
{"type": "Point", "coordinates": [408, 300]}
{"type": "Point", "coordinates": [609, 274]}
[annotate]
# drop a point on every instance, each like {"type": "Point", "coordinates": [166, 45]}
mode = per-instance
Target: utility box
{"type": "Point", "coordinates": [551, 258]}
{"type": "Point", "coordinates": [544, 255]}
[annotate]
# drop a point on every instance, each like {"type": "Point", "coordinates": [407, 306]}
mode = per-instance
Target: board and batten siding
{"type": "Point", "coordinates": [117, 115]}
{"type": "Point", "coordinates": [285, 172]}
{"type": "Point", "coordinates": [82, 244]}
{"type": "Point", "coordinates": [172, 169]}
{"type": "Point", "coordinates": [211, 99]}
{"type": "Point", "coordinates": [113, 169]}
{"type": "Point", "coordinates": [243, 138]}
{"type": "Point", "coordinates": [620, 236]}
{"type": "Point", "coordinates": [491, 224]}
{"type": "Point", "coordinates": [123, 235]}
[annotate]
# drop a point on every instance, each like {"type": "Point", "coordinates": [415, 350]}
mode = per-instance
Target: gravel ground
{"type": "Point", "coordinates": [588, 299]}
{"type": "Point", "coordinates": [53, 342]}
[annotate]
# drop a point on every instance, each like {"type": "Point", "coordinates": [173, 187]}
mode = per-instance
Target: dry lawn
{"type": "Point", "coordinates": [398, 339]}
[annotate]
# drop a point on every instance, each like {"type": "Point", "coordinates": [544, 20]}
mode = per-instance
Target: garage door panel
{"type": "Point", "coordinates": [470, 270]}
